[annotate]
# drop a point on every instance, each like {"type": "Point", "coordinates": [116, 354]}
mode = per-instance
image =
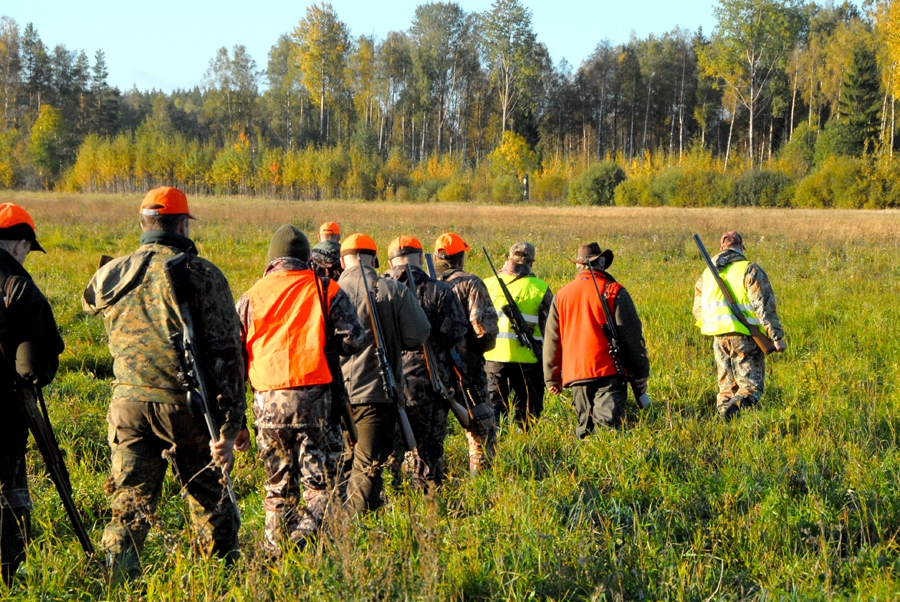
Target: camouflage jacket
{"type": "Point", "coordinates": [325, 258]}
{"type": "Point", "coordinates": [404, 325]}
{"type": "Point", "coordinates": [303, 406]}
{"type": "Point", "coordinates": [29, 347]}
{"type": "Point", "coordinates": [762, 297]}
{"type": "Point", "coordinates": [448, 329]}
{"type": "Point", "coordinates": [481, 334]}
{"type": "Point", "coordinates": [140, 314]}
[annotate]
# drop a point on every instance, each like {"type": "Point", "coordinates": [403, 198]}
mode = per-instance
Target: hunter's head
{"type": "Point", "coordinates": [451, 248]}
{"type": "Point", "coordinates": [330, 231]}
{"type": "Point", "coordinates": [731, 240]}
{"type": "Point", "coordinates": [405, 249]}
{"type": "Point", "coordinates": [17, 235]}
{"type": "Point", "coordinates": [359, 249]}
{"type": "Point", "coordinates": [166, 209]}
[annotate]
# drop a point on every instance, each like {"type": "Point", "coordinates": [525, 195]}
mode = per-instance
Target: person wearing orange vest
{"type": "Point", "coordinates": [740, 363]}
{"type": "Point", "coordinates": [576, 345]}
{"type": "Point", "coordinates": [510, 367]}
{"type": "Point", "coordinates": [288, 319]}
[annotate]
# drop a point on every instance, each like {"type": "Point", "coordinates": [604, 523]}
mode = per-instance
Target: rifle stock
{"type": "Point", "coordinates": [384, 366]}
{"type": "Point", "coordinates": [762, 341]}
{"type": "Point", "coordinates": [462, 415]}
{"type": "Point", "coordinates": [185, 346]}
{"type": "Point", "coordinates": [39, 424]}
{"type": "Point", "coordinates": [522, 330]}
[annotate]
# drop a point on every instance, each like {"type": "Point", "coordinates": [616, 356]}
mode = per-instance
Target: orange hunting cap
{"type": "Point", "coordinates": [330, 228]}
{"type": "Point", "coordinates": [404, 245]}
{"type": "Point", "coordinates": [449, 244]}
{"type": "Point", "coordinates": [16, 224]}
{"type": "Point", "coordinates": [358, 243]}
{"type": "Point", "coordinates": [165, 201]}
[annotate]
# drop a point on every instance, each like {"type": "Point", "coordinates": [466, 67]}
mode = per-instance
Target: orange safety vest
{"type": "Point", "coordinates": [286, 334]}
{"type": "Point", "coordinates": [585, 349]}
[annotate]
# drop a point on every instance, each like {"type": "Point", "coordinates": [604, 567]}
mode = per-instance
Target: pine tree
{"type": "Point", "coordinates": [861, 95]}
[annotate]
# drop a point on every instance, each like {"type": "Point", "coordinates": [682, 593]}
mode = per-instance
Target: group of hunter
{"type": "Point", "coordinates": [351, 371]}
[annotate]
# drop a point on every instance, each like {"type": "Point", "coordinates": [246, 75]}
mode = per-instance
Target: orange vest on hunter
{"type": "Point", "coordinates": [286, 334]}
{"type": "Point", "coordinates": [585, 349]}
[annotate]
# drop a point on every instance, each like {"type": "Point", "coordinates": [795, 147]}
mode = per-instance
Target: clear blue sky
{"type": "Point", "coordinates": [167, 44]}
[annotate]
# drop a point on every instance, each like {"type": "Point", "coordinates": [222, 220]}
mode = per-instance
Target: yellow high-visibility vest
{"type": "Point", "coordinates": [716, 316]}
{"type": "Point", "coordinates": [528, 293]}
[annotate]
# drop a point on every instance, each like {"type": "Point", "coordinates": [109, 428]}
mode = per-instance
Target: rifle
{"type": "Point", "coordinates": [762, 341]}
{"type": "Point", "coordinates": [338, 392]}
{"type": "Point", "coordinates": [462, 415]}
{"type": "Point", "coordinates": [384, 367]}
{"type": "Point", "coordinates": [612, 338]}
{"type": "Point", "coordinates": [185, 346]}
{"type": "Point", "coordinates": [524, 333]}
{"type": "Point", "coordinates": [39, 424]}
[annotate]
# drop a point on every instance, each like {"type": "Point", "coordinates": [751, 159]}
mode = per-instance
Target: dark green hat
{"type": "Point", "coordinates": [288, 241]}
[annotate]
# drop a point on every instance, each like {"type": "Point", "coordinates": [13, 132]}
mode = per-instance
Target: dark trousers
{"type": "Point", "coordinates": [363, 463]}
{"type": "Point", "coordinates": [524, 381]}
{"type": "Point", "coordinates": [599, 402]}
{"type": "Point", "coordinates": [15, 514]}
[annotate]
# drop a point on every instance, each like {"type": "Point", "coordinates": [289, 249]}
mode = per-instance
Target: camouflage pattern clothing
{"type": "Point", "coordinates": [740, 364]}
{"type": "Point", "coordinates": [149, 419]}
{"type": "Point", "coordinates": [29, 353]}
{"type": "Point", "coordinates": [325, 258]}
{"type": "Point", "coordinates": [481, 336]}
{"type": "Point", "coordinates": [427, 410]}
{"type": "Point", "coordinates": [299, 442]}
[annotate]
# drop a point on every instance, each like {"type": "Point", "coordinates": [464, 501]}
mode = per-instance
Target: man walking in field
{"type": "Point", "coordinates": [512, 367]}
{"type": "Point", "coordinates": [150, 422]}
{"type": "Point", "coordinates": [577, 343]}
{"type": "Point", "coordinates": [405, 326]}
{"type": "Point", "coordinates": [481, 336]}
{"type": "Point", "coordinates": [29, 347]}
{"type": "Point", "coordinates": [740, 363]}
{"type": "Point", "coordinates": [288, 320]}
{"type": "Point", "coordinates": [426, 408]}
{"type": "Point", "coordinates": [325, 256]}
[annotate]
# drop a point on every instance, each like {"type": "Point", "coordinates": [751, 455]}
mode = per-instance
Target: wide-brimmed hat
{"type": "Point", "coordinates": [590, 253]}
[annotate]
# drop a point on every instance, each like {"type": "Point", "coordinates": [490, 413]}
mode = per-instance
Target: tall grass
{"type": "Point", "coordinates": [795, 500]}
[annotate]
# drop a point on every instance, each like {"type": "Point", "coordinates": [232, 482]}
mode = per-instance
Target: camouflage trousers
{"type": "Point", "coordinates": [741, 368]}
{"type": "Point", "coordinates": [428, 419]}
{"type": "Point", "coordinates": [481, 436]}
{"type": "Point", "coordinates": [145, 438]}
{"type": "Point", "coordinates": [308, 456]}
{"type": "Point", "coordinates": [15, 514]}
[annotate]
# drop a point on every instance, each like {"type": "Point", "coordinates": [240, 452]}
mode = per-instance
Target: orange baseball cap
{"type": "Point", "coordinates": [165, 201]}
{"type": "Point", "coordinates": [358, 243]}
{"type": "Point", "coordinates": [16, 224]}
{"type": "Point", "coordinates": [330, 228]}
{"type": "Point", "coordinates": [449, 244]}
{"type": "Point", "coordinates": [404, 245]}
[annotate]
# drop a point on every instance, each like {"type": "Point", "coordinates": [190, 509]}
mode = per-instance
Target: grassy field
{"type": "Point", "coordinates": [797, 500]}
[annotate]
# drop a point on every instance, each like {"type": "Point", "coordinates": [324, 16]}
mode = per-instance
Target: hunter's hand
{"type": "Point", "coordinates": [242, 443]}
{"type": "Point", "coordinates": [223, 453]}
{"type": "Point", "coordinates": [780, 345]}
{"type": "Point", "coordinates": [554, 390]}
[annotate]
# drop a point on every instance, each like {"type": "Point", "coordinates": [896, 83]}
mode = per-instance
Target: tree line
{"type": "Point", "coordinates": [466, 104]}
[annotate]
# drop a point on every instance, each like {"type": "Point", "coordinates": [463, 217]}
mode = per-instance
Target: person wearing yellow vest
{"type": "Point", "coordinates": [741, 365]}
{"type": "Point", "coordinates": [576, 347]}
{"type": "Point", "coordinates": [510, 367]}
{"type": "Point", "coordinates": [287, 321]}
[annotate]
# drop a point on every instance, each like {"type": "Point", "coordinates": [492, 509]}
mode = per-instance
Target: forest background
{"type": "Point", "coordinates": [782, 104]}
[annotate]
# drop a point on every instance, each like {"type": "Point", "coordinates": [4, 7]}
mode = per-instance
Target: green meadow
{"type": "Point", "coordinates": [796, 500]}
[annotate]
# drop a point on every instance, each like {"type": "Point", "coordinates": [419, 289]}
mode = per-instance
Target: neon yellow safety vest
{"type": "Point", "coordinates": [716, 315]}
{"type": "Point", "coordinates": [528, 293]}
